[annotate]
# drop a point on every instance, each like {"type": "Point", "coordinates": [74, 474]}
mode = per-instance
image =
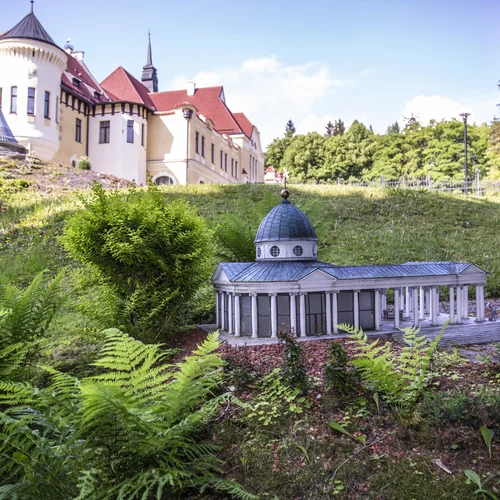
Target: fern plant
{"type": "Point", "coordinates": [400, 378]}
{"type": "Point", "coordinates": [134, 431]}
{"type": "Point", "coordinates": [29, 312]}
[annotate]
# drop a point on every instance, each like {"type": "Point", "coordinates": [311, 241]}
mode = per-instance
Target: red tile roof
{"type": "Point", "coordinates": [244, 123]}
{"type": "Point", "coordinates": [206, 100]}
{"type": "Point", "coordinates": [124, 87]}
{"type": "Point", "coordinates": [77, 70]}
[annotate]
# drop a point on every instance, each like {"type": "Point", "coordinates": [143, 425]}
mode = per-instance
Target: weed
{"type": "Point", "coordinates": [294, 371]}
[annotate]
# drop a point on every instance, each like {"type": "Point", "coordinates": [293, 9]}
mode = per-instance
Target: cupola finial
{"type": "Point", "coordinates": [32, 2]}
{"type": "Point", "coordinates": [285, 193]}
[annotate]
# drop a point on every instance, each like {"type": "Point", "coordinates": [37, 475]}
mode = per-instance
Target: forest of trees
{"type": "Point", "coordinates": [411, 151]}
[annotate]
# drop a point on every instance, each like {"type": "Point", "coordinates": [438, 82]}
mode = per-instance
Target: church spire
{"type": "Point", "coordinates": [149, 74]}
{"type": "Point", "coordinates": [150, 52]}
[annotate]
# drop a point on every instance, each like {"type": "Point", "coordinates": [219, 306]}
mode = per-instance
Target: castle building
{"type": "Point", "coordinates": [288, 288]}
{"type": "Point", "coordinates": [56, 108]}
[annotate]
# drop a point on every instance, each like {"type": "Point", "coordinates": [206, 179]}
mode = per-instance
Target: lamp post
{"type": "Point", "coordinates": [464, 117]}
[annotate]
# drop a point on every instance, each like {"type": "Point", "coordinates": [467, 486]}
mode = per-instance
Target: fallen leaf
{"type": "Point", "coordinates": [440, 464]}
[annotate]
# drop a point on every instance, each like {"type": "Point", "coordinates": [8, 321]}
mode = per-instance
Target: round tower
{"type": "Point", "coordinates": [286, 233]}
{"type": "Point", "coordinates": [31, 67]}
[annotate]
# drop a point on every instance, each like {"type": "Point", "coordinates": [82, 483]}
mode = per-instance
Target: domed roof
{"type": "Point", "coordinates": [285, 222]}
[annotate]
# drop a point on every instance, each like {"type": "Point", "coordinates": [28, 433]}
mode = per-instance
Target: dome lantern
{"type": "Point", "coordinates": [286, 233]}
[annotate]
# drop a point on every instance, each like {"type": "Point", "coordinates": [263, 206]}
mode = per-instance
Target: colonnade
{"type": "Point", "coordinates": [416, 303]}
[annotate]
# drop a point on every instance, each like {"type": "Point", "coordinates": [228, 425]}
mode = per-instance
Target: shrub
{"type": "Point", "coordinates": [294, 370]}
{"type": "Point", "coordinates": [84, 163]}
{"type": "Point", "coordinates": [337, 374]}
{"type": "Point", "coordinates": [399, 377]}
{"type": "Point", "coordinates": [154, 254]}
{"type": "Point", "coordinates": [135, 431]}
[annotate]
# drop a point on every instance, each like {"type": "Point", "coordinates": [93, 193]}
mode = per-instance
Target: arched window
{"type": "Point", "coordinates": [164, 179]}
{"type": "Point", "coordinates": [73, 164]}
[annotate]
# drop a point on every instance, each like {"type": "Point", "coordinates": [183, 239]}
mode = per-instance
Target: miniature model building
{"type": "Point", "coordinates": [287, 287]}
{"type": "Point", "coordinates": [56, 108]}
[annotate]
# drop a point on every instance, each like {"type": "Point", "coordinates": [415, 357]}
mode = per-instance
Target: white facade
{"type": "Point", "coordinates": [26, 65]}
{"type": "Point", "coordinates": [118, 156]}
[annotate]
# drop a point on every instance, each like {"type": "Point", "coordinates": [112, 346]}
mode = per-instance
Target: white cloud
{"type": "Point", "coordinates": [434, 107]}
{"type": "Point", "coordinates": [271, 92]}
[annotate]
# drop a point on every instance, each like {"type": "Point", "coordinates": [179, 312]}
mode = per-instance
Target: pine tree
{"type": "Point", "coordinates": [339, 127]}
{"type": "Point", "coordinates": [330, 129]}
{"type": "Point", "coordinates": [290, 129]}
{"type": "Point", "coordinates": [394, 129]}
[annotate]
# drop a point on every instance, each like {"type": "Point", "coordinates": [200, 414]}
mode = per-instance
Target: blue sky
{"type": "Point", "coordinates": [372, 60]}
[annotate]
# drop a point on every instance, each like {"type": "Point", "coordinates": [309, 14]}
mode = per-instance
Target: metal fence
{"type": "Point", "coordinates": [475, 187]}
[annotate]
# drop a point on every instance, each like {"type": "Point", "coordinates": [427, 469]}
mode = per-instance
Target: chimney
{"type": "Point", "coordinates": [191, 88]}
{"type": "Point", "coordinates": [79, 55]}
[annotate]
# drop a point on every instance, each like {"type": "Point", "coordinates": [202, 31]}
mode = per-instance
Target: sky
{"type": "Point", "coordinates": [377, 61]}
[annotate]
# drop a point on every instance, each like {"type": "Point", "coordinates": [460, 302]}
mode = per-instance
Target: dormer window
{"type": "Point", "coordinates": [76, 82]}
{"type": "Point", "coordinates": [97, 96]}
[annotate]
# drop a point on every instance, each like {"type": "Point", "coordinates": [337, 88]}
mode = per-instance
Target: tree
{"type": "Point", "coordinates": [330, 129]}
{"type": "Point", "coordinates": [339, 127]}
{"type": "Point", "coordinates": [154, 254]}
{"type": "Point", "coordinates": [276, 150]}
{"type": "Point", "coordinates": [290, 129]}
{"type": "Point", "coordinates": [304, 157]}
{"type": "Point", "coordinates": [493, 153]}
{"type": "Point", "coordinates": [393, 129]}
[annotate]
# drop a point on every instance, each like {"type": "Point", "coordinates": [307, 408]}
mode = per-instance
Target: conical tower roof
{"type": "Point", "coordinates": [6, 134]}
{"type": "Point", "coordinates": [31, 28]}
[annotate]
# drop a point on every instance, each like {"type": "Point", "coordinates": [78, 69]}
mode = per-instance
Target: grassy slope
{"type": "Point", "coordinates": [355, 225]}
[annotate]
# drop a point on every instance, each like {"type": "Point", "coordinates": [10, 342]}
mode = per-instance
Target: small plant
{"type": "Point", "coordinates": [487, 435]}
{"type": "Point", "coordinates": [294, 371]}
{"type": "Point", "coordinates": [84, 163]}
{"type": "Point", "coordinates": [337, 375]}
{"type": "Point", "coordinates": [399, 378]}
{"type": "Point", "coordinates": [473, 477]}
{"type": "Point", "coordinates": [276, 399]}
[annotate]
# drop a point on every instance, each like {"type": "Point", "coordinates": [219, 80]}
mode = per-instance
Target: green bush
{"type": "Point", "coordinates": [84, 163]}
{"type": "Point", "coordinates": [154, 254]}
{"type": "Point", "coordinates": [134, 431]}
{"type": "Point", "coordinates": [400, 377]}
{"type": "Point", "coordinates": [337, 374]}
{"type": "Point", "coordinates": [294, 369]}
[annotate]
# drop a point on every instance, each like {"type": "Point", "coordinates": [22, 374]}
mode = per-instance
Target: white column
{"type": "Point", "coordinates": [422, 304]}
{"type": "Point", "coordinates": [335, 312]}
{"type": "Point", "coordinates": [408, 302]}
{"type": "Point", "coordinates": [237, 321]}
{"type": "Point", "coordinates": [482, 302]}
{"type": "Point", "coordinates": [427, 300]}
{"type": "Point", "coordinates": [229, 298]}
{"type": "Point", "coordinates": [255, 322]}
{"type": "Point", "coordinates": [328, 298]}
{"type": "Point", "coordinates": [479, 304]}
{"type": "Point", "coordinates": [377, 309]}
{"type": "Point", "coordinates": [223, 309]}
{"type": "Point", "coordinates": [217, 311]}
{"type": "Point", "coordinates": [274, 316]}
{"type": "Point", "coordinates": [414, 296]}
{"type": "Point", "coordinates": [460, 297]}
{"type": "Point", "coordinates": [302, 303]}
{"type": "Point", "coordinates": [465, 303]}
{"type": "Point", "coordinates": [293, 315]}
{"type": "Point", "coordinates": [356, 309]}
{"type": "Point", "coordinates": [397, 299]}
{"type": "Point", "coordinates": [402, 299]}
{"type": "Point", "coordinates": [434, 300]}
{"type": "Point", "coordinates": [452, 304]}
{"type": "Point", "coordinates": [438, 309]}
